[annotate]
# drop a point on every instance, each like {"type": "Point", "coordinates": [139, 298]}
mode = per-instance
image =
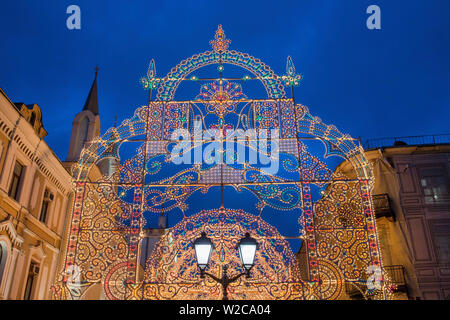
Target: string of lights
{"type": "Point", "coordinates": [110, 214]}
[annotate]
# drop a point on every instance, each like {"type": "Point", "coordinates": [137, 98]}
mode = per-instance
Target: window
{"type": "Point", "coordinates": [84, 129]}
{"type": "Point", "coordinates": [435, 184]}
{"type": "Point", "coordinates": [33, 274]}
{"type": "Point", "coordinates": [3, 256]}
{"type": "Point", "coordinates": [441, 239]}
{"type": "Point", "coordinates": [44, 210]}
{"type": "Point", "coordinates": [442, 244]}
{"type": "Point", "coordinates": [15, 181]}
{"type": "Point", "coordinates": [48, 198]}
{"type": "Point", "coordinates": [1, 156]}
{"type": "Point", "coordinates": [82, 134]}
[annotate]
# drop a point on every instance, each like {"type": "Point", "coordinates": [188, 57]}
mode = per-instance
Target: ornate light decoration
{"type": "Point", "coordinates": [151, 82]}
{"type": "Point", "coordinates": [291, 79]}
{"type": "Point", "coordinates": [221, 97]}
{"type": "Point", "coordinates": [110, 216]}
{"type": "Point", "coordinates": [220, 43]}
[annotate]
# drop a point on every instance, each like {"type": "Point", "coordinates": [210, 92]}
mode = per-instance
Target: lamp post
{"type": "Point", "coordinates": [247, 251]}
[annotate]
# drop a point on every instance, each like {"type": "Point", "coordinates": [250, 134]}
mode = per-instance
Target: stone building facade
{"type": "Point", "coordinates": [35, 195]}
{"type": "Point", "coordinates": [412, 204]}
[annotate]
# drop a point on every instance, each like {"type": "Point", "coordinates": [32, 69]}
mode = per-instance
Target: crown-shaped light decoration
{"type": "Point", "coordinates": [220, 43]}
{"type": "Point", "coordinates": [151, 82]}
{"type": "Point", "coordinates": [291, 79]}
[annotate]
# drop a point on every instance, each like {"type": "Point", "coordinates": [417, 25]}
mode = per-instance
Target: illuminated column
{"type": "Point", "coordinates": [375, 256]}
{"type": "Point", "coordinates": [75, 225]}
{"type": "Point", "coordinates": [134, 231]}
{"type": "Point", "coordinates": [310, 233]}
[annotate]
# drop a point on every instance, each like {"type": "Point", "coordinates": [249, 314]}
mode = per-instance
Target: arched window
{"type": "Point", "coordinates": [84, 127]}
{"type": "Point", "coordinates": [30, 288]}
{"type": "Point", "coordinates": [83, 133]}
{"type": "Point", "coordinates": [3, 257]}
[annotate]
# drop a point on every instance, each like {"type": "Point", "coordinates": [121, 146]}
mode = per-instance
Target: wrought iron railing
{"type": "Point", "coordinates": [396, 275]}
{"type": "Point", "coordinates": [397, 283]}
{"type": "Point", "coordinates": [382, 206]}
{"type": "Point", "coordinates": [408, 140]}
{"type": "Point", "coordinates": [354, 291]}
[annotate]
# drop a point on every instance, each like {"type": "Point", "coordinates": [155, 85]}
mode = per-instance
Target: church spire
{"type": "Point", "coordinates": [85, 125]}
{"type": "Point", "coordinates": [92, 99]}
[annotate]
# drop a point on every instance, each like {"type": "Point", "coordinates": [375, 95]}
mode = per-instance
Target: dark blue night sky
{"type": "Point", "coordinates": [369, 83]}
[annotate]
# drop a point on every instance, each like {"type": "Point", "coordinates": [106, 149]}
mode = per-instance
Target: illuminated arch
{"type": "Point", "coordinates": [172, 265]}
{"type": "Point", "coordinates": [269, 79]}
{"type": "Point", "coordinates": [105, 229]}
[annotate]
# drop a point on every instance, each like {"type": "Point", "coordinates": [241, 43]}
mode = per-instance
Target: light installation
{"type": "Point", "coordinates": [112, 215]}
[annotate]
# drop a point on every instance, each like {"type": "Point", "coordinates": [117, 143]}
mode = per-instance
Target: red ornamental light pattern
{"type": "Point", "coordinates": [109, 216]}
{"type": "Point", "coordinates": [220, 44]}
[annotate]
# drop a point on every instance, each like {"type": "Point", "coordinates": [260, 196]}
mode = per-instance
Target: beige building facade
{"type": "Point", "coordinates": [412, 204]}
{"type": "Point", "coordinates": [35, 195]}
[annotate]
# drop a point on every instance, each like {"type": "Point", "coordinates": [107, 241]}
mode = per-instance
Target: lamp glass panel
{"type": "Point", "coordinates": [203, 251]}
{"type": "Point", "coordinates": [247, 253]}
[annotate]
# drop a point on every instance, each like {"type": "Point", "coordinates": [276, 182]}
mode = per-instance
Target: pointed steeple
{"type": "Point", "coordinates": [85, 125]}
{"type": "Point", "coordinates": [92, 99]}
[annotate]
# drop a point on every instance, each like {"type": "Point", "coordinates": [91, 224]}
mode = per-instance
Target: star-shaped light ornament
{"type": "Point", "coordinates": [291, 79]}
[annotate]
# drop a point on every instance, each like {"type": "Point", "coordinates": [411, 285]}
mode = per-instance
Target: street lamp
{"type": "Point", "coordinates": [203, 248]}
{"type": "Point", "coordinates": [247, 251]}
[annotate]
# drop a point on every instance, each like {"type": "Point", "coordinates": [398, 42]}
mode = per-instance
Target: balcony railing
{"type": "Point", "coordinates": [353, 292]}
{"type": "Point", "coordinates": [409, 140]}
{"type": "Point", "coordinates": [396, 275]}
{"type": "Point", "coordinates": [382, 206]}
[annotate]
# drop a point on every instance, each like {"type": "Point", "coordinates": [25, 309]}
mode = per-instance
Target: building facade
{"type": "Point", "coordinates": [35, 192]}
{"type": "Point", "coordinates": [412, 205]}
{"type": "Point", "coordinates": [36, 195]}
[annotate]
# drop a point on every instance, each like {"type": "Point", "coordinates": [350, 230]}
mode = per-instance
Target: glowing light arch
{"type": "Point", "coordinates": [96, 203]}
{"type": "Point", "coordinates": [172, 261]}
{"type": "Point", "coordinates": [271, 82]}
